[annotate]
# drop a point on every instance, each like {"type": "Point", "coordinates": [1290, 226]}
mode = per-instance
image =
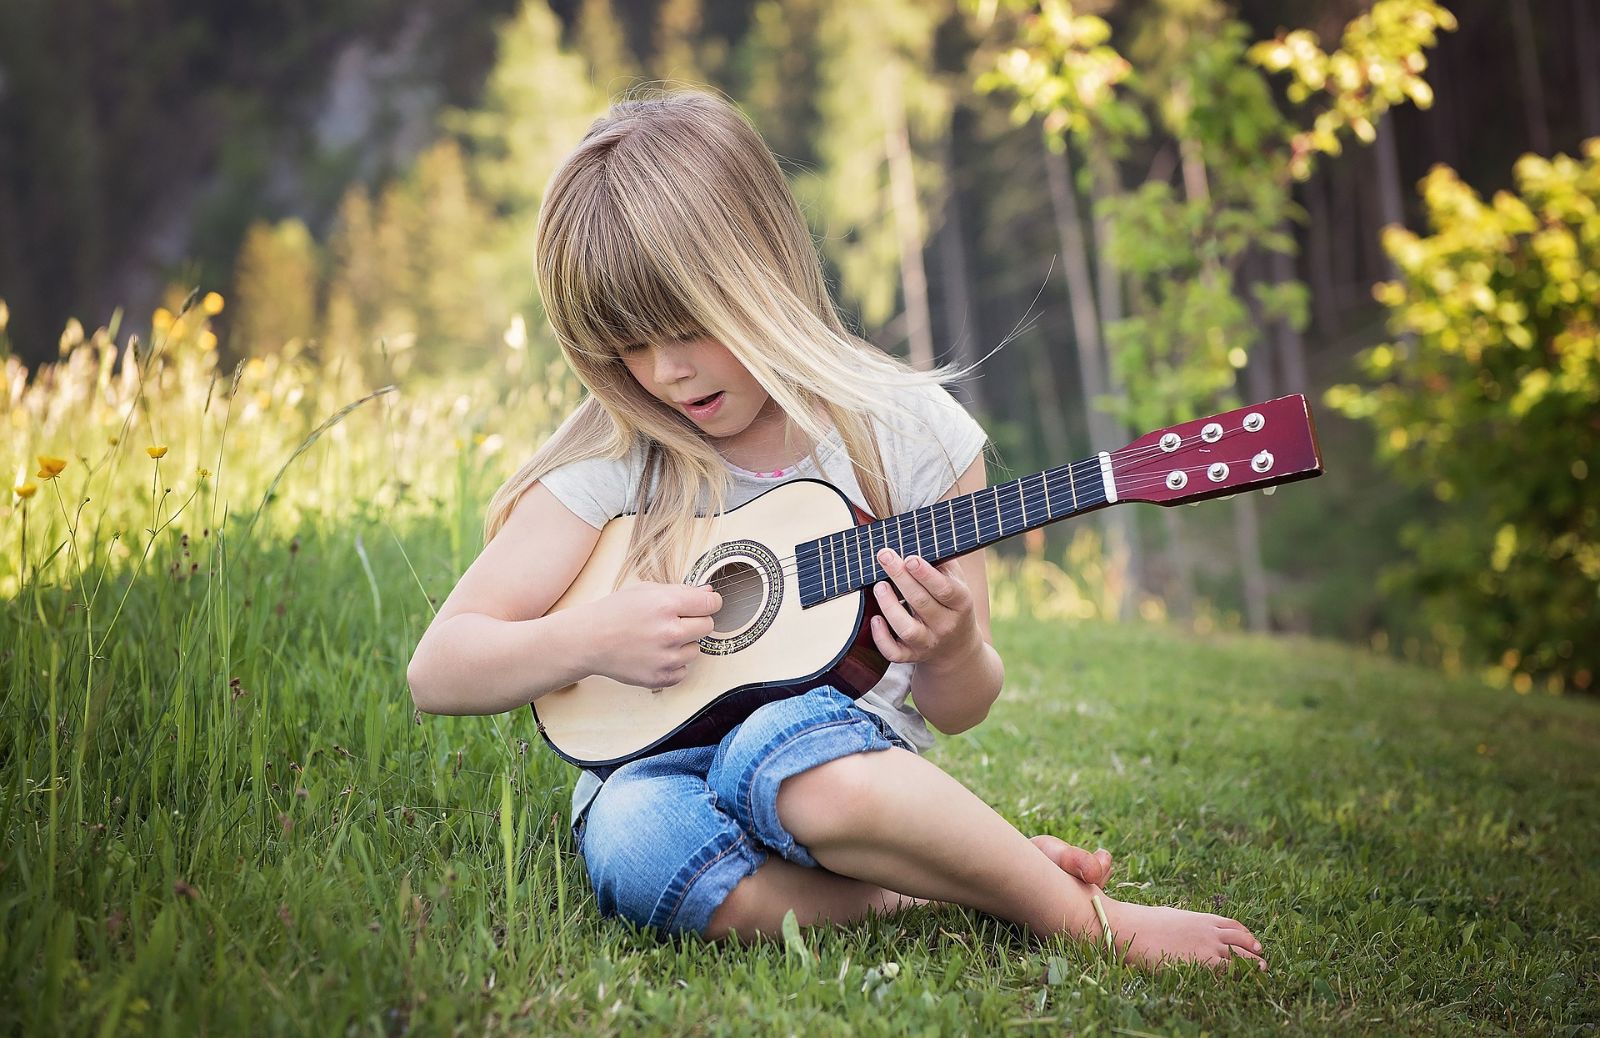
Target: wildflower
{"type": "Point", "coordinates": [208, 340]}
{"type": "Point", "coordinates": [50, 468]}
{"type": "Point", "coordinates": [212, 303]}
{"type": "Point", "coordinates": [161, 320]}
{"type": "Point", "coordinates": [159, 451]}
{"type": "Point", "coordinates": [203, 473]}
{"type": "Point", "coordinates": [24, 490]}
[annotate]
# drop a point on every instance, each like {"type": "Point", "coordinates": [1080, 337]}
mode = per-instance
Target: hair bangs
{"type": "Point", "coordinates": [615, 295]}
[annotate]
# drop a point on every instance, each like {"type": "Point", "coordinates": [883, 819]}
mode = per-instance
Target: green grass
{"type": "Point", "coordinates": [296, 854]}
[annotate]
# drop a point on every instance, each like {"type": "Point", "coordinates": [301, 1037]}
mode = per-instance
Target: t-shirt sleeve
{"type": "Point", "coordinates": [595, 490]}
{"type": "Point", "coordinates": [930, 457]}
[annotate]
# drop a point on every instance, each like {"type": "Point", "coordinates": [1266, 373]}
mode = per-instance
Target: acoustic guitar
{"type": "Point", "coordinates": [796, 565]}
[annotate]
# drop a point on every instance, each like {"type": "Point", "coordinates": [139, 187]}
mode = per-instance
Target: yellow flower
{"type": "Point", "coordinates": [161, 320]}
{"type": "Point", "coordinates": [50, 468]}
{"type": "Point", "coordinates": [208, 339]}
{"type": "Point", "coordinates": [212, 303]}
{"type": "Point", "coordinates": [24, 490]}
{"type": "Point", "coordinates": [157, 452]}
{"type": "Point", "coordinates": [204, 473]}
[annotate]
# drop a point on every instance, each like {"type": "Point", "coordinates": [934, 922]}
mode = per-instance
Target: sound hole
{"type": "Point", "coordinates": [740, 586]}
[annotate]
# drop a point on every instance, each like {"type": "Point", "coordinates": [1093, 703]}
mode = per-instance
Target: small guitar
{"type": "Point", "coordinates": [796, 565]}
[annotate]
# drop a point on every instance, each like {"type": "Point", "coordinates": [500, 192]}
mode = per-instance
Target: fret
{"type": "Point", "coordinates": [1044, 480]}
{"type": "Point", "coordinates": [1022, 495]}
{"type": "Point", "coordinates": [852, 556]}
{"type": "Point", "coordinates": [916, 523]}
{"type": "Point", "coordinates": [900, 535]}
{"type": "Point", "coordinates": [950, 521]}
{"type": "Point", "coordinates": [1073, 485]}
{"type": "Point", "coordinates": [833, 565]}
{"type": "Point", "coordinates": [992, 501]}
{"type": "Point", "coordinates": [977, 534]}
{"type": "Point", "coordinates": [1017, 485]}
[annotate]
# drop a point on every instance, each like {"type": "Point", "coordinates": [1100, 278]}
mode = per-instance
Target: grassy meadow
{"type": "Point", "coordinates": [221, 814]}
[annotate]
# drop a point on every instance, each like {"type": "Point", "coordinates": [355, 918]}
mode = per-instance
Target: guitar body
{"type": "Point", "coordinates": [764, 646]}
{"type": "Point", "coordinates": [796, 567]}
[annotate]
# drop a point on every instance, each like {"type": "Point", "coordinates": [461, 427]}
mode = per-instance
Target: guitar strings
{"type": "Point", "coordinates": [740, 589]}
{"type": "Point", "coordinates": [1137, 482]}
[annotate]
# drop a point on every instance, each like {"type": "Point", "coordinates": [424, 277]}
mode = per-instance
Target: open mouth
{"type": "Point", "coordinates": [704, 401]}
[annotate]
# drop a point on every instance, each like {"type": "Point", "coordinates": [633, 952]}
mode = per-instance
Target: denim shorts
{"type": "Point", "coordinates": [667, 837]}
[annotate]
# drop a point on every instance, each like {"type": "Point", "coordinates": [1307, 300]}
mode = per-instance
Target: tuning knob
{"type": "Point", "coordinates": [1253, 422]}
{"type": "Point", "coordinates": [1262, 462]}
{"type": "Point", "coordinates": [1212, 432]}
{"type": "Point", "coordinates": [1217, 472]}
{"type": "Point", "coordinates": [1177, 479]}
{"type": "Point", "coordinates": [1170, 442]}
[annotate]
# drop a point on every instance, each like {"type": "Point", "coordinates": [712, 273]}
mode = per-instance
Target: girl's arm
{"type": "Point", "coordinates": [491, 648]}
{"type": "Point", "coordinates": [945, 632]}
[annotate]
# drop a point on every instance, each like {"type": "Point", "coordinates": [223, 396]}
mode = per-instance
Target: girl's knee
{"type": "Point", "coordinates": [832, 799]}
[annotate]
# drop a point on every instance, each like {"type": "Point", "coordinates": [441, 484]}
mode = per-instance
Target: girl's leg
{"type": "Point", "coordinates": [761, 900]}
{"type": "Point", "coordinates": [896, 820]}
{"type": "Point", "coordinates": [815, 895]}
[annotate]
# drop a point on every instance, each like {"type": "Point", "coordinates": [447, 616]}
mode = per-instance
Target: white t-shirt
{"type": "Point", "coordinates": [921, 462]}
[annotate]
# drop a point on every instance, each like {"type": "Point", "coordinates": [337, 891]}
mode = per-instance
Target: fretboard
{"type": "Point", "coordinates": [847, 561]}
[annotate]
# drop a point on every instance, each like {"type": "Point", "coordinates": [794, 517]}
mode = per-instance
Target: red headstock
{"type": "Point", "coordinates": [1261, 445]}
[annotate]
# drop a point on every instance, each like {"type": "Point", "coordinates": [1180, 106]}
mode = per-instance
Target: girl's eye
{"type": "Point", "coordinates": [631, 347]}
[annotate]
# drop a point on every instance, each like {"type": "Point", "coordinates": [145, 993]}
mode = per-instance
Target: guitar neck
{"type": "Point", "coordinates": [847, 561]}
{"type": "Point", "coordinates": [1252, 447]}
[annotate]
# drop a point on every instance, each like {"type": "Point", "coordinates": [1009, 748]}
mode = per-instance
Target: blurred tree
{"type": "Point", "coordinates": [881, 115]}
{"type": "Point", "coordinates": [598, 36]}
{"type": "Point", "coordinates": [1492, 400]}
{"type": "Point", "coordinates": [275, 290]}
{"type": "Point", "coordinates": [537, 103]}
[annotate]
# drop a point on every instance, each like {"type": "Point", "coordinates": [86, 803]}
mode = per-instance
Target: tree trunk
{"type": "Point", "coordinates": [1391, 208]}
{"type": "Point", "coordinates": [955, 279]}
{"type": "Point", "coordinates": [1586, 44]}
{"type": "Point", "coordinates": [1047, 401]}
{"type": "Point", "coordinates": [1181, 600]}
{"type": "Point", "coordinates": [908, 226]}
{"type": "Point", "coordinates": [1346, 229]}
{"type": "Point", "coordinates": [1246, 523]}
{"type": "Point", "coordinates": [1319, 256]}
{"type": "Point", "coordinates": [1122, 535]}
{"type": "Point", "coordinates": [1291, 345]}
{"type": "Point", "coordinates": [1533, 112]}
{"type": "Point", "coordinates": [1247, 535]}
{"type": "Point", "coordinates": [1080, 293]}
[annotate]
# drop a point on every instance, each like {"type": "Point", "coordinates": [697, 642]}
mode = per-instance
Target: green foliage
{"type": "Point", "coordinates": [1379, 64]}
{"type": "Point", "coordinates": [875, 79]}
{"type": "Point", "coordinates": [1492, 400]}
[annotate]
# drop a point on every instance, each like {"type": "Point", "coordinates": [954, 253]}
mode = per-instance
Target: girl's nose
{"type": "Point", "coordinates": [672, 363]}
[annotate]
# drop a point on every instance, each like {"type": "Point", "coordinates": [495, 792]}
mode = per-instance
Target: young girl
{"type": "Point", "coordinates": [685, 290]}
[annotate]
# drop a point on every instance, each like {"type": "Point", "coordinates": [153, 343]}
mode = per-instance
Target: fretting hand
{"type": "Point", "coordinates": [937, 621]}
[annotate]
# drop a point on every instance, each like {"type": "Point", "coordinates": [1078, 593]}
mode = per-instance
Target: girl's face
{"type": "Point", "coordinates": [698, 377]}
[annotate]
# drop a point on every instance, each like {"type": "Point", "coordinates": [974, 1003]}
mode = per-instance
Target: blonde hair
{"type": "Point", "coordinates": [671, 218]}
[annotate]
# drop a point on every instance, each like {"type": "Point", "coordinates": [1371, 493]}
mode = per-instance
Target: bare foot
{"type": "Point", "coordinates": [1150, 934]}
{"type": "Point", "coordinates": [1093, 869]}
